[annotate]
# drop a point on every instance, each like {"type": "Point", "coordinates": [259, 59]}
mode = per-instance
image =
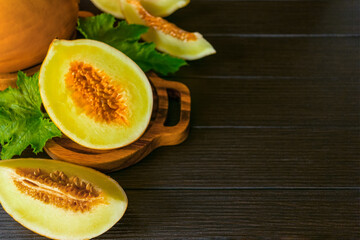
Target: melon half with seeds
{"type": "Point", "coordinates": [167, 37]}
{"type": "Point", "coordinates": [60, 200]}
{"type": "Point", "coordinates": [95, 94]}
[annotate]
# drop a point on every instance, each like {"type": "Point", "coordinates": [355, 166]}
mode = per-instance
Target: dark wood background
{"type": "Point", "coordinates": [273, 151]}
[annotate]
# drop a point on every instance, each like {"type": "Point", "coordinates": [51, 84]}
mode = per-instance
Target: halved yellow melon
{"type": "Point", "coordinates": [167, 37]}
{"type": "Point", "coordinates": [95, 94]}
{"type": "Point", "coordinates": [60, 200]}
{"type": "Point", "coordinates": [160, 8]}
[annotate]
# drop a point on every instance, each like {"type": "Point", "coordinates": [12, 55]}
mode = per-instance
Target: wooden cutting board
{"type": "Point", "coordinates": [156, 135]}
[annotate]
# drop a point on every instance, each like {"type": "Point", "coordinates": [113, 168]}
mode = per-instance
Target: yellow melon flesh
{"type": "Point", "coordinates": [160, 8]}
{"type": "Point", "coordinates": [109, 6]}
{"type": "Point", "coordinates": [58, 218]}
{"type": "Point", "coordinates": [167, 37]}
{"type": "Point", "coordinates": [95, 94]}
{"type": "Point", "coordinates": [163, 8]}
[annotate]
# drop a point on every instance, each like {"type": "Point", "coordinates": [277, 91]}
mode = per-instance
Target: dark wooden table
{"type": "Point", "coordinates": [273, 151]}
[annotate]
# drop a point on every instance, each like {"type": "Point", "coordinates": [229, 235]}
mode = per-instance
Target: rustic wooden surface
{"type": "Point", "coordinates": [273, 150]}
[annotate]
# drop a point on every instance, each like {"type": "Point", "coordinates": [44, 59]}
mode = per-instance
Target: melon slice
{"type": "Point", "coordinates": [160, 8]}
{"type": "Point", "coordinates": [109, 6]}
{"type": "Point", "coordinates": [60, 200]}
{"type": "Point", "coordinates": [163, 8]}
{"type": "Point", "coordinates": [167, 37]}
{"type": "Point", "coordinates": [95, 94]}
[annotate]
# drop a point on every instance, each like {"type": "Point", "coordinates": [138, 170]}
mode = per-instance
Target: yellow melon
{"type": "Point", "coordinates": [60, 200]}
{"type": "Point", "coordinates": [95, 94]}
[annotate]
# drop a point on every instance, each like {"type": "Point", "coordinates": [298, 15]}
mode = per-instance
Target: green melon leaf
{"type": "Point", "coordinates": [22, 123]}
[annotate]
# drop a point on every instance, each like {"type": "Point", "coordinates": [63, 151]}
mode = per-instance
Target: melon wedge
{"type": "Point", "coordinates": [95, 94]}
{"type": "Point", "coordinates": [60, 200]}
{"type": "Point", "coordinates": [160, 8]}
{"type": "Point", "coordinates": [109, 6]}
{"type": "Point", "coordinates": [163, 8]}
{"type": "Point", "coordinates": [167, 37]}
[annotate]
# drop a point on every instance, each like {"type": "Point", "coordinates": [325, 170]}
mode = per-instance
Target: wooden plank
{"type": "Point", "coordinates": [270, 17]}
{"type": "Point", "coordinates": [265, 17]}
{"type": "Point", "coordinates": [278, 57]}
{"type": "Point", "coordinates": [241, 158]}
{"type": "Point", "coordinates": [249, 157]}
{"type": "Point", "coordinates": [285, 56]}
{"type": "Point", "coordinates": [280, 102]}
{"type": "Point", "coordinates": [251, 214]}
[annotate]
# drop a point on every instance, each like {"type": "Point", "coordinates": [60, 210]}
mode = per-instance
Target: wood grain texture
{"type": "Point", "coordinates": [285, 56]}
{"type": "Point", "coordinates": [232, 214]}
{"type": "Point", "coordinates": [278, 57]}
{"type": "Point", "coordinates": [270, 17]}
{"type": "Point", "coordinates": [225, 158]}
{"type": "Point", "coordinates": [276, 102]}
{"type": "Point", "coordinates": [274, 148]}
{"type": "Point", "coordinates": [265, 17]}
{"type": "Point", "coordinates": [242, 158]}
{"type": "Point", "coordinates": [156, 135]}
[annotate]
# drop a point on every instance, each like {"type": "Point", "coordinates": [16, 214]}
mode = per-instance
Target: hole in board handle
{"type": "Point", "coordinates": [174, 108]}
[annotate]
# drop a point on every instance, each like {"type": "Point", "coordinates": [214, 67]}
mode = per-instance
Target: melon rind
{"type": "Point", "coordinates": [185, 49]}
{"type": "Point", "coordinates": [69, 118]}
{"type": "Point", "coordinates": [55, 223]}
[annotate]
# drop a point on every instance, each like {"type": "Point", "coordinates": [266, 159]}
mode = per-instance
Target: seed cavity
{"type": "Point", "coordinates": [95, 93]}
{"type": "Point", "coordinates": [56, 188]}
{"type": "Point", "coordinates": [161, 24]}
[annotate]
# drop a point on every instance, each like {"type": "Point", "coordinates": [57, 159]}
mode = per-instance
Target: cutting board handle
{"type": "Point", "coordinates": [171, 135]}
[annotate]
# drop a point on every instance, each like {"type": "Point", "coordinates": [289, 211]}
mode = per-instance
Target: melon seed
{"type": "Point", "coordinates": [58, 189]}
{"type": "Point", "coordinates": [95, 93]}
